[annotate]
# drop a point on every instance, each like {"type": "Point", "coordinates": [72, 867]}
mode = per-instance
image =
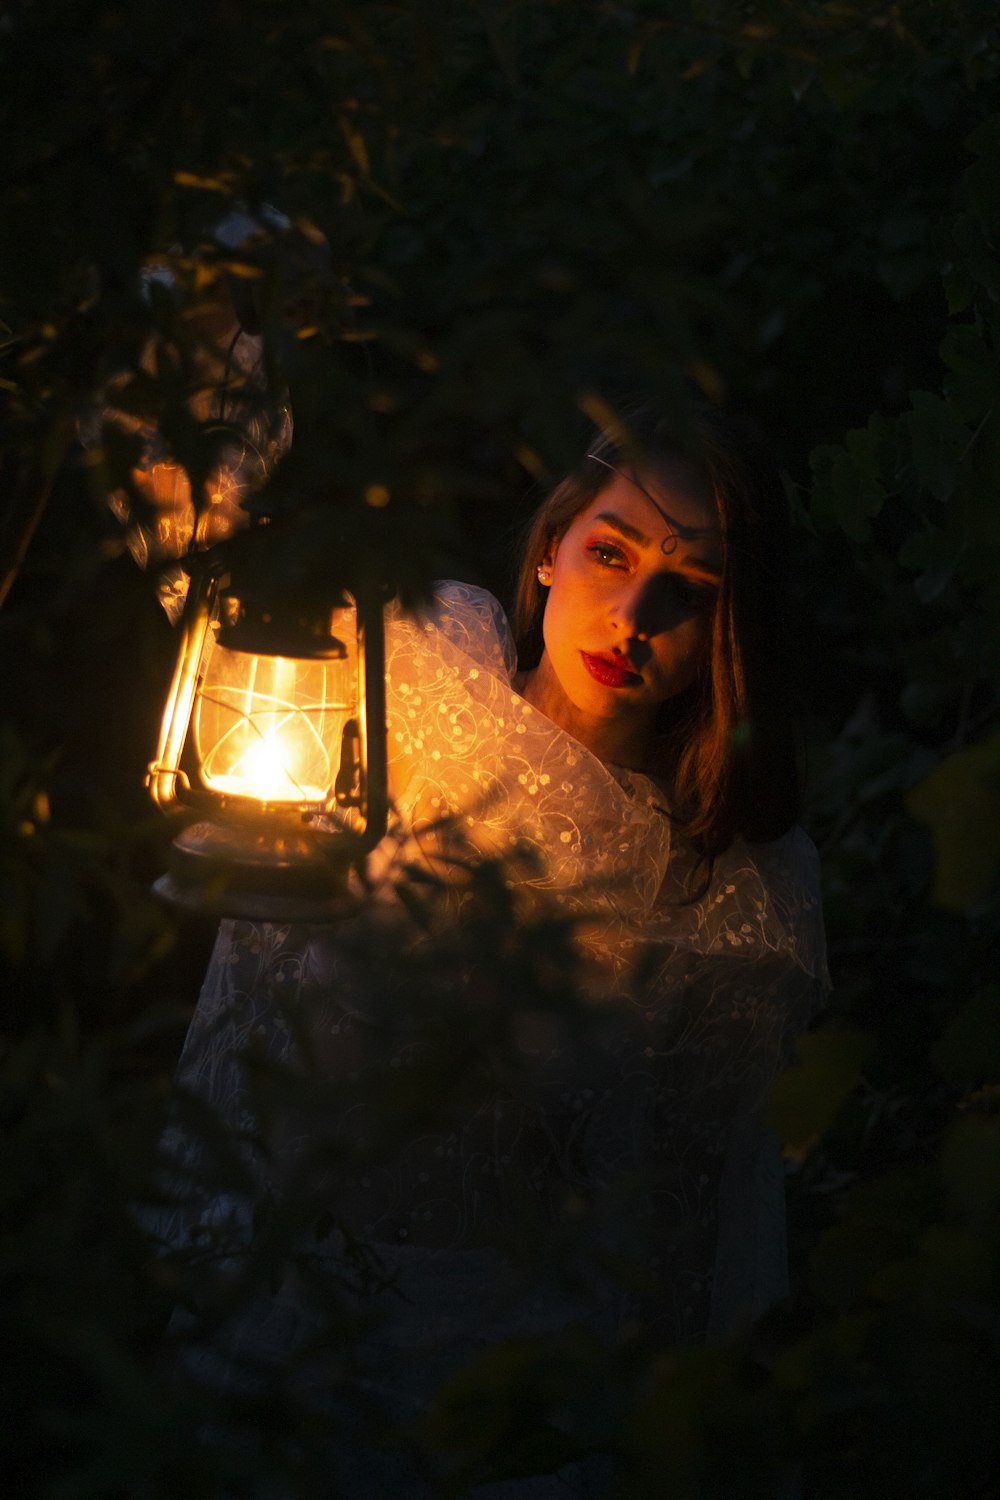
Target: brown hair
{"type": "Point", "coordinates": [726, 746]}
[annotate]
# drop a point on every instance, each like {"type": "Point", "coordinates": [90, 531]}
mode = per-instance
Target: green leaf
{"type": "Point", "coordinates": [867, 1251]}
{"type": "Point", "coordinates": [934, 554]}
{"type": "Point", "coordinates": [848, 488]}
{"type": "Point", "coordinates": [937, 440]}
{"type": "Point", "coordinates": [807, 1098]}
{"type": "Point", "coordinates": [960, 802]}
{"type": "Point", "coordinates": [973, 377]}
{"type": "Point", "coordinates": [981, 184]}
{"type": "Point", "coordinates": [479, 1414]}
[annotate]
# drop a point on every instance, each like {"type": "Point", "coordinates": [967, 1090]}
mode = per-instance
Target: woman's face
{"type": "Point", "coordinates": [628, 624]}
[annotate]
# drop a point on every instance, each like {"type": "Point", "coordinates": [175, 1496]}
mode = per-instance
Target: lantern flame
{"type": "Point", "coordinates": [266, 771]}
{"type": "Point", "coordinates": [270, 729]}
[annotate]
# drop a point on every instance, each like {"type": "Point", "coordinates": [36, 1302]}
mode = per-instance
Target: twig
{"type": "Point", "coordinates": [14, 552]}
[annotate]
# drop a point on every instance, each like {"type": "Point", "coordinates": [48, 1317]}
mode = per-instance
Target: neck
{"type": "Point", "coordinates": [621, 741]}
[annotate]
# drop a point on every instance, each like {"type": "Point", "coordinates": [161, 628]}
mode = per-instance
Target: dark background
{"type": "Point", "coordinates": [502, 215]}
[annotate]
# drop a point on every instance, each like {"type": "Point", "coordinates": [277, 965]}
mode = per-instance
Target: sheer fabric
{"type": "Point", "coordinates": [650, 1126]}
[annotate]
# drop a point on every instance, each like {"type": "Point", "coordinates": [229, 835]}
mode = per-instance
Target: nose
{"type": "Point", "coordinates": [630, 617]}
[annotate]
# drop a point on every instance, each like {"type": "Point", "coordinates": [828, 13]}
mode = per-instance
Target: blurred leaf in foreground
{"type": "Point", "coordinates": [807, 1097]}
{"type": "Point", "coordinates": [960, 803]}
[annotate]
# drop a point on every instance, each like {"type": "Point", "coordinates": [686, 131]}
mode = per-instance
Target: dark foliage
{"type": "Point", "coordinates": [502, 216]}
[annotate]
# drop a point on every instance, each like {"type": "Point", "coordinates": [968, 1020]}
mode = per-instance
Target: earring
{"type": "Point", "coordinates": [544, 576]}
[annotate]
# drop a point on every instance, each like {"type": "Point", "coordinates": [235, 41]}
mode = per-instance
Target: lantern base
{"type": "Point", "coordinates": [265, 867]}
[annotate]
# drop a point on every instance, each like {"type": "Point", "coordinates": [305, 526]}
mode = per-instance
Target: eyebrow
{"type": "Point", "coordinates": [633, 534]}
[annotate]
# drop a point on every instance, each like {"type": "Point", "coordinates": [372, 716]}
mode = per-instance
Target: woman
{"type": "Point", "coordinates": [721, 737]}
{"type": "Point", "coordinates": [631, 770]}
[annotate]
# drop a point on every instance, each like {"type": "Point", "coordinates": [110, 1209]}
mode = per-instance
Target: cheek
{"type": "Point", "coordinates": [688, 654]}
{"type": "Point", "coordinates": [562, 612]}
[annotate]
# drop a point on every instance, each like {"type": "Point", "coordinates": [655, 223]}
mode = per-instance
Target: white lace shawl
{"type": "Point", "coordinates": [700, 1001]}
{"type": "Point", "coordinates": [600, 834]}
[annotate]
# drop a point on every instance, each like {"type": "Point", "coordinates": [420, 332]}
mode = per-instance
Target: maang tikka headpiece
{"type": "Point", "coordinates": [669, 543]}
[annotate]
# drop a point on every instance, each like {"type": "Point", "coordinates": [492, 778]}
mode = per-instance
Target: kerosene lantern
{"type": "Point", "coordinates": [273, 738]}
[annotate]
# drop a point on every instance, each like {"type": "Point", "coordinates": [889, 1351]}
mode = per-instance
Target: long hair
{"type": "Point", "coordinates": [725, 745]}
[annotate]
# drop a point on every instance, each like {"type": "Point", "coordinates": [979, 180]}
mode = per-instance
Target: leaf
{"type": "Point", "coordinates": [973, 377]}
{"type": "Point", "coordinates": [309, 230]}
{"type": "Point", "coordinates": [981, 184]}
{"type": "Point", "coordinates": [968, 1051]}
{"type": "Point", "coordinates": [807, 1098]}
{"type": "Point", "coordinates": [602, 415]}
{"type": "Point", "coordinates": [645, 33]}
{"type": "Point", "coordinates": [960, 802]}
{"type": "Point", "coordinates": [937, 441]}
{"type": "Point", "coordinates": [868, 1250]}
{"type": "Point", "coordinates": [848, 487]}
{"type": "Point", "coordinates": [356, 145]}
{"type": "Point", "coordinates": [708, 378]}
{"type": "Point", "coordinates": [935, 554]}
{"type": "Point", "coordinates": [204, 184]}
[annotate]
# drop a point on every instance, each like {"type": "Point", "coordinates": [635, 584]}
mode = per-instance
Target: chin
{"type": "Point", "coordinates": [609, 703]}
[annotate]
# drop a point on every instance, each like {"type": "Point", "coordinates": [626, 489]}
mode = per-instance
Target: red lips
{"type": "Point", "coordinates": [609, 671]}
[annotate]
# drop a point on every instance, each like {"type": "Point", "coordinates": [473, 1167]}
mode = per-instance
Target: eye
{"type": "Point", "coordinates": [607, 555]}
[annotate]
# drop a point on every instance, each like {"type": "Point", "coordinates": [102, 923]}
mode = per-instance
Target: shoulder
{"type": "Point", "coordinates": [786, 869]}
{"type": "Point", "coordinates": [472, 621]}
{"type": "Point", "coordinates": [789, 872]}
{"type": "Point", "coordinates": [762, 899]}
{"type": "Point", "coordinates": [791, 860]}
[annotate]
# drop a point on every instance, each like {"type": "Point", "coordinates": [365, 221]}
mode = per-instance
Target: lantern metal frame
{"type": "Point", "coordinates": [245, 856]}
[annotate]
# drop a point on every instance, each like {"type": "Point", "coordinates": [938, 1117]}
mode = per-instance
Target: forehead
{"type": "Point", "coordinates": [675, 500]}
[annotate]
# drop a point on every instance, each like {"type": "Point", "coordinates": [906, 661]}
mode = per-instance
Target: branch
{"type": "Point", "coordinates": [29, 497]}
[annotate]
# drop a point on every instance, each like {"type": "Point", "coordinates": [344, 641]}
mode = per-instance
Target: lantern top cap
{"type": "Point", "coordinates": [280, 628]}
